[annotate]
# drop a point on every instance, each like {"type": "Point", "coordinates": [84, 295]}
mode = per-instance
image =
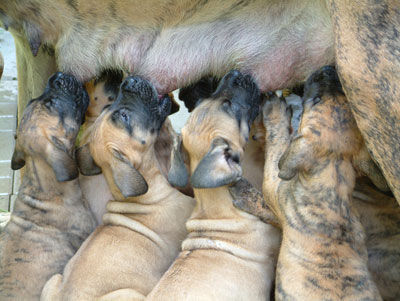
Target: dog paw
{"type": "Point", "coordinates": [276, 114]}
{"type": "Point", "coordinates": [250, 200]}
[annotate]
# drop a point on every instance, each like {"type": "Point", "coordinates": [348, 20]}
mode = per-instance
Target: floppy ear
{"type": "Point", "coordinates": [178, 175]}
{"type": "Point", "coordinates": [294, 158]}
{"type": "Point", "coordinates": [127, 178]}
{"type": "Point", "coordinates": [86, 164]}
{"type": "Point", "coordinates": [174, 105]}
{"type": "Point", "coordinates": [219, 167]}
{"type": "Point", "coordinates": [64, 167]}
{"type": "Point", "coordinates": [18, 159]}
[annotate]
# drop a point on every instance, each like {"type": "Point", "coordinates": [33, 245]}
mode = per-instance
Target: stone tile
{"type": "Point", "coordinates": [5, 170]}
{"type": "Point", "coordinates": [5, 186]}
{"type": "Point", "coordinates": [8, 109]}
{"type": "Point", "coordinates": [8, 123]}
{"type": "Point", "coordinates": [17, 181]}
{"type": "Point", "coordinates": [6, 145]}
{"type": "Point", "coordinates": [4, 202]}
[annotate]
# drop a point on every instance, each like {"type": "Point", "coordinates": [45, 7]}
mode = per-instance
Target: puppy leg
{"type": "Point", "coordinates": [250, 200]}
{"type": "Point", "coordinates": [276, 117]}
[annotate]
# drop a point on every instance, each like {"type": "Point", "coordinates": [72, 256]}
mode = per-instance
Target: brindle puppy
{"type": "Point", "coordinates": [379, 213]}
{"type": "Point", "coordinates": [309, 188]}
{"type": "Point", "coordinates": [50, 219]}
{"type": "Point", "coordinates": [145, 223]}
{"type": "Point", "coordinates": [228, 254]}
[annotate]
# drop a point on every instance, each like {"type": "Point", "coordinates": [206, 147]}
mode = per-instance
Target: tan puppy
{"type": "Point", "coordinates": [50, 219]}
{"type": "Point", "coordinates": [228, 254]}
{"type": "Point", "coordinates": [323, 253]}
{"type": "Point", "coordinates": [252, 162]}
{"type": "Point", "coordinates": [102, 92]}
{"type": "Point", "coordinates": [143, 228]}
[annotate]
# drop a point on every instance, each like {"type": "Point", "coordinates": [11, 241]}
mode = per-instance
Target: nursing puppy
{"type": "Point", "coordinates": [252, 162]}
{"type": "Point", "coordinates": [309, 188]}
{"type": "Point", "coordinates": [176, 42]}
{"type": "Point", "coordinates": [50, 218]}
{"type": "Point", "coordinates": [228, 254]}
{"type": "Point", "coordinates": [102, 91]}
{"type": "Point", "coordinates": [145, 224]}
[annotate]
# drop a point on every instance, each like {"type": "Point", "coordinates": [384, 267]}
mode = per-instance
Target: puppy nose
{"type": "Point", "coordinates": [64, 81]}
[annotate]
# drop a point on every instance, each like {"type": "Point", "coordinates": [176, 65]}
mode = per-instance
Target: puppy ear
{"type": "Point", "coordinates": [86, 164]}
{"type": "Point", "coordinates": [18, 159]}
{"type": "Point", "coordinates": [127, 178]}
{"type": "Point", "coordinates": [293, 159]}
{"type": "Point", "coordinates": [219, 167]}
{"type": "Point", "coordinates": [64, 167]}
{"type": "Point", "coordinates": [174, 105]}
{"type": "Point", "coordinates": [178, 175]}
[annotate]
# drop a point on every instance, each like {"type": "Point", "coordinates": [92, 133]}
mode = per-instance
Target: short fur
{"type": "Point", "coordinates": [141, 234]}
{"type": "Point", "coordinates": [50, 218]}
{"type": "Point", "coordinates": [228, 254]}
{"type": "Point", "coordinates": [323, 253]}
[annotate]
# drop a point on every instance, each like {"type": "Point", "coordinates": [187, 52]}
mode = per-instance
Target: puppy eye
{"type": "Point", "coordinates": [152, 131]}
{"type": "Point", "coordinates": [110, 98]}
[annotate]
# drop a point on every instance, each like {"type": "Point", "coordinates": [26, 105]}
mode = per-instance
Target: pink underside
{"type": "Point", "coordinates": [281, 69]}
{"type": "Point", "coordinates": [276, 69]}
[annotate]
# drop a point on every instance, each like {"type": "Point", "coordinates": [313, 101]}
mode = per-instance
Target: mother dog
{"type": "Point", "coordinates": [176, 42]}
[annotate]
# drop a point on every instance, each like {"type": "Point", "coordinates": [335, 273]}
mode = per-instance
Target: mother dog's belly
{"type": "Point", "coordinates": [277, 53]}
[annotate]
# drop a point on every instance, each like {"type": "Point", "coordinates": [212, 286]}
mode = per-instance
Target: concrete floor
{"type": "Point", "coordinates": [10, 180]}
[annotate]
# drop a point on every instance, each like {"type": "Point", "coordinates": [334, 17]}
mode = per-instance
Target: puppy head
{"type": "Point", "coordinates": [103, 91]}
{"type": "Point", "coordinates": [49, 126]}
{"type": "Point", "coordinates": [327, 130]}
{"type": "Point", "coordinates": [215, 134]}
{"type": "Point", "coordinates": [122, 136]}
{"type": "Point", "coordinates": [195, 93]}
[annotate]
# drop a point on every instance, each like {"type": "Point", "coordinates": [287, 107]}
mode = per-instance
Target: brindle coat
{"type": "Point", "coordinates": [323, 253]}
{"type": "Point", "coordinates": [379, 215]}
{"type": "Point", "coordinates": [50, 219]}
{"type": "Point", "coordinates": [174, 43]}
{"type": "Point", "coordinates": [319, 218]}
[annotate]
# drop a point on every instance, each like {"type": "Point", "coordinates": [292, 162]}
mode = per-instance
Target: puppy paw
{"type": "Point", "coordinates": [249, 199]}
{"type": "Point", "coordinates": [276, 116]}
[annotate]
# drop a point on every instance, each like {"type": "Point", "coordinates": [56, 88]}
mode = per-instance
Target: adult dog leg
{"type": "Point", "coordinates": [33, 72]}
{"type": "Point", "coordinates": [368, 59]}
